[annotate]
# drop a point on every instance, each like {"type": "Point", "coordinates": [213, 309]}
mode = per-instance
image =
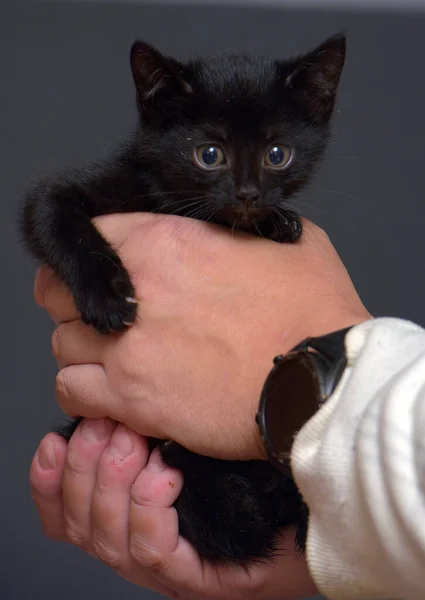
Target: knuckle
{"type": "Point", "coordinates": [106, 554]}
{"type": "Point", "coordinates": [76, 466]}
{"type": "Point", "coordinates": [139, 497]}
{"type": "Point", "coordinates": [62, 393]}
{"type": "Point", "coordinates": [60, 384]}
{"type": "Point", "coordinates": [110, 482]}
{"type": "Point", "coordinates": [144, 554]}
{"type": "Point", "coordinates": [127, 361]}
{"type": "Point", "coordinates": [74, 536]}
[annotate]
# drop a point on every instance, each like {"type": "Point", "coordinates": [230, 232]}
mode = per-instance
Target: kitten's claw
{"type": "Point", "coordinates": [167, 443]}
{"type": "Point", "coordinates": [108, 304]}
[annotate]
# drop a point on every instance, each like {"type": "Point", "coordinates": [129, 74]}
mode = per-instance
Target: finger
{"type": "Point", "coordinates": [83, 390]}
{"type": "Point", "coordinates": [119, 465]}
{"type": "Point", "coordinates": [154, 529]}
{"type": "Point", "coordinates": [46, 484]}
{"type": "Point", "coordinates": [75, 343]}
{"type": "Point", "coordinates": [52, 295]}
{"type": "Point", "coordinates": [158, 485]}
{"type": "Point", "coordinates": [86, 446]}
{"type": "Point", "coordinates": [184, 570]}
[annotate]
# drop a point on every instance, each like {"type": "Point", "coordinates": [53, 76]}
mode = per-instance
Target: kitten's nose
{"type": "Point", "coordinates": [249, 197]}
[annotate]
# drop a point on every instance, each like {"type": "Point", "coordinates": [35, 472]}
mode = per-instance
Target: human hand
{"type": "Point", "coordinates": [214, 309]}
{"type": "Point", "coordinates": [104, 494]}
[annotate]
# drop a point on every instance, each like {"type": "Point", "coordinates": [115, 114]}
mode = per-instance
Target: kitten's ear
{"type": "Point", "coordinates": [156, 77]}
{"type": "Point", "coordinates": [314, 77]}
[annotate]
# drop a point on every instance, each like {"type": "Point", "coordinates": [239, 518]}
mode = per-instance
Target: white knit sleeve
{"type": "Point", "coordinates": [360, 466]}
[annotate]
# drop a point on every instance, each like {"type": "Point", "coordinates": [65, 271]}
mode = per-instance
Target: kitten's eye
{"type": "Point", "coordinates": [210, 156]}
{"type": "Point", "coordinates": [278, 157]}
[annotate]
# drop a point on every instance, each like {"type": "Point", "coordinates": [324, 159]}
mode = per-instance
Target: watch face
{"type": "Point", "coordinates": [290, 397]}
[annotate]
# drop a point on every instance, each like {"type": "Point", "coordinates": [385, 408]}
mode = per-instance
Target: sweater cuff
{"type": "Point", "coordinates": [350, 532]}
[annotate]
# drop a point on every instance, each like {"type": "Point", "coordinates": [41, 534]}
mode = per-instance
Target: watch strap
{"type": "Point", "coordinates": [330, 346]}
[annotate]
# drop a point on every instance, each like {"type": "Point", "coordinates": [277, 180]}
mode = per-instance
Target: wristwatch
{"type": "Point", "coordinates": [296, 387]}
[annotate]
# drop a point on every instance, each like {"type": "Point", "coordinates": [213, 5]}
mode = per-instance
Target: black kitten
{"type": "Point", "coordinates": [227, 139]}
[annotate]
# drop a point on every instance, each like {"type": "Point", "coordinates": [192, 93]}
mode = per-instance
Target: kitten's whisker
{"type": "Point", "coordinates": [282, 217]}
{"type": "Point", "coordinates": [298, 204]}
{"type": "Point", "coordinates": [181, 205]}
{"type": "Point", "coordinates": [282, 213]}
{"type": "Point", "coordinates": [348, 195]}
{"type": "Point", "coordinates": [107, 257]}
{"type": "Point", "coordinates": [197, 213]}
{"type": "Point", "coordinates": [173, 192]}
{"type": "Point", "coordinates": [258, 231]}
{"type": "Point", "coordinates": [344, 193]}
{"type": "Point", "coordinates": [202, 208]}
{"type": "Point", "coordinates": [213, 209]}
{"type": "Point", "coordinates": [207, 213]}
{"type": "Point", "coordinates": [197, 206]}
{"type": "Point", "coordinates": [190, 209]}
{"type": "Point", "coordinates": [299, 209]}
{"type": "Point", "coordinates": [276, 221]}
{"type": "Point", "coordinates": [325, 213]}
{"type": "Point", "coordinates": [292, 203]}
{"type": "Point", "coordinates": [154, 194]}
{"type": "Point", "coordinates": [193, 201]}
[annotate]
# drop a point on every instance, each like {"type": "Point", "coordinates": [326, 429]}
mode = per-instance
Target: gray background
{"type": "Point", "coordinates": [66, 96]}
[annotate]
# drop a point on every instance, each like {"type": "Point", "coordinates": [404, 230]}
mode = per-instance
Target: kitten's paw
{"type": "Point", "coordinates": [288, 232]}
{"type": "Point", "coordinates": [109, 304]}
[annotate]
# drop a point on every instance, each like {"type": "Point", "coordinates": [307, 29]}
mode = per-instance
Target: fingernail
{"type": "Point", "coordinates": [46, 455]}
{"type": "Point", "coordinates": [156, 464]}
{"type": "Point", "coordinates": [121, 443]}
{"type": "Point", "coordinates": [94, 430]}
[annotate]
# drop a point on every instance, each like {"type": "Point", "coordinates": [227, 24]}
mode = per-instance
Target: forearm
{"type": "Point", "coordinates": [360, 465]}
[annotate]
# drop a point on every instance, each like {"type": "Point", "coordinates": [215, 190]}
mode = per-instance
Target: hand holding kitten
{"type": "Point", "coordinates": [213, 310]}
{"type": "Point", "coordinates": [107, 496]}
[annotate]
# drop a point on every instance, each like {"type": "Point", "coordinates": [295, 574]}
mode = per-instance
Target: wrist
{"type": "Point", "coordinates": [332, 321]}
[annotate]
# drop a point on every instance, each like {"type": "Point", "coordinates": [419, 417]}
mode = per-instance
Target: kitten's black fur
{"type": "Point", "coordinates": [230, 511]}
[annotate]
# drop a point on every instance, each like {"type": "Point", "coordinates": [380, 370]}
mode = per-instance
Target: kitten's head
{"type": "Point", "coordinates": [231, 137]}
